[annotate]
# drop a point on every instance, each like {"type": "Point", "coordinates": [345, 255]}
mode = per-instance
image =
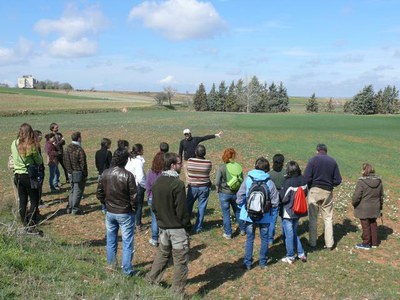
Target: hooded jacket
{"type": "Point", "coordinates": [368, 197]}
{"type": "Point", "coordinates": [243, 193]}
{"type": "Point", "coordinates": [288, 192]}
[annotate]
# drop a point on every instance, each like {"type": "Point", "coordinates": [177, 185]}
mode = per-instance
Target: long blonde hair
{"type": "Point", "coordinates": [26, 138]}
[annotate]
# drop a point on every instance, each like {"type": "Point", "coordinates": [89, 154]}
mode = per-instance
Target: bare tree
{"type": "Point", "coordinates": [170, 93]}
{"type": "Point", "coordinates": [160, 98]}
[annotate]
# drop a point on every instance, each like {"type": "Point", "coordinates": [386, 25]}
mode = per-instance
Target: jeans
{"type": "Point", "coordinates": [139, 210]}
{"type": "Point", "coordinates": [250, 233]}
{"type": "Point", "coordinates": [113, 223]}
{"type": "Point", "coordinates": [75, 195]}
{"type": "Point", "coordinates": [227, 201]}
{"type": "Point", "coordinates": [292, 241]}
{"type": "Point", "coordinates": [272, 226]}
{"type": "Point", "coordinates": [201, 194]}
{"type": "Point", "coordinates": [54, 176]}
{"type": "Point", "coordinates": [25, 192]}
{"type": "Point", "coordinates": [154, 225]}
{"type": "Point", "coordinates": [319, 199]}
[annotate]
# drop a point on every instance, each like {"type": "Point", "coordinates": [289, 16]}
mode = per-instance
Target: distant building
{"type": "Point", "coordinates": [26, 82]}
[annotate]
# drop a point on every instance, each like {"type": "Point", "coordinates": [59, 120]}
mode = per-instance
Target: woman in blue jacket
{"type": "Point", "coordinates": [260, 173]}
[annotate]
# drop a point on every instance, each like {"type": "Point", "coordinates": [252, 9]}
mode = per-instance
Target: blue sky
{"type": "Point", "coordinates": [332, 48]}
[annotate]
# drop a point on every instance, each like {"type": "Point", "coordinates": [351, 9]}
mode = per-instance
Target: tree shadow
{"type": "Point", "coordinates": [217, 275]}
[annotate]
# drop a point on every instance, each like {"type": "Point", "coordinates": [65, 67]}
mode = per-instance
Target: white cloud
{"type": "Point", "coordinates": [180, 19]}
{"type": "Point", "coordinates": [65, 48]}
{"type": "Point", "coordinates": [17, 54]}
{"type": "Point", "coordinates": [167, 80]}
{"type": "Point", "coordinates": [139, 68]}
{"type": "Point", "coordinates": [76, 31]}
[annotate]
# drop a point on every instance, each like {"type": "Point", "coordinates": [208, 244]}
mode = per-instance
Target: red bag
{"type": "Point", "coordinates": [300, 202]}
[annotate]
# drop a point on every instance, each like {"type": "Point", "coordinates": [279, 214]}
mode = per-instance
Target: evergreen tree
{"type": "Point", "coordinates": [364, 103]}
{"type": "Point", "coordinates": [221, 97]}
{"type": "Point", "coordinates": [200, 99]}
{"type": "Point", "coordinates": [231, 103]}
{"type": "Point", "coordinates": [253, 92]}
{"type": "Point", "coordinates": [387, 100]}
{"type": "Point", "coordinates": [240, 93]}
{"type": "Point", "coordinates": [283, 99]}
{"type": "Point", "coordinates": [312, 104]}
{"type": "Point", "coordinates": [329, 106]}
{"type": "Point", "coordinates": [263, 99]}
{"type": "Point", "coordinates": [212, 98]}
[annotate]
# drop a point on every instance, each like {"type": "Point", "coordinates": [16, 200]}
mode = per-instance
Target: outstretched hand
{"type": "Point", "coordinates": [218, 135]}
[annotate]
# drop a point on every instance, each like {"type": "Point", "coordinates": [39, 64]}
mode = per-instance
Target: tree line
{"type": "Point", "coordinates": [241, 97]}
{"type": "Point", "coordinates": [53, 85]}
{"type": "Point", "coordinates": [366, 102]}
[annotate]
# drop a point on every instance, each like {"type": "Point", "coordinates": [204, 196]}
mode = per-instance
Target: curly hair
{"type": "Point", "coordinates": [229, 154]}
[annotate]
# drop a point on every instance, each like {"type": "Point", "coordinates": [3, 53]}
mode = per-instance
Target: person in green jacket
{"type": "Point", "coordinates": [25, 154]}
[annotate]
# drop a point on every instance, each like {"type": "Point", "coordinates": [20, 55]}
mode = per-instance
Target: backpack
{"type": "Point", "coordinates": [300, 202]}
{"type": "Point", "coordinates": [259, 199]}
{"type": "Point", "coordinates": [234, 176]}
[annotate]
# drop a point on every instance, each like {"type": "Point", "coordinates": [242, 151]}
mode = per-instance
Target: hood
{"type": "Point", "coordinates": [371, 181]}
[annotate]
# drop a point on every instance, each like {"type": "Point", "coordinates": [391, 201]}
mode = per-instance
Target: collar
{"type": "Point", "coordinates": [170, 173]}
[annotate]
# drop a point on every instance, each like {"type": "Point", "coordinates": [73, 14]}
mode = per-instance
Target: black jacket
{"type": "Point", "coordinates": [187, 147]}
{"type": "Point", "coordinates": [287, 193]}
{"type": "Point", "coordinates": [117, 190]}
{"type": "Point", "coordinates": [103, 159]}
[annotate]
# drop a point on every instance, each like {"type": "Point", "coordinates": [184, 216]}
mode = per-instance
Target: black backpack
{"type": "Point", "coordinates": [259, 199]}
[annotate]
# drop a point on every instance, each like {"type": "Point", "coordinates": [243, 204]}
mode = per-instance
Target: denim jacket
{"type": "Point", "coordinates": [243, 193]}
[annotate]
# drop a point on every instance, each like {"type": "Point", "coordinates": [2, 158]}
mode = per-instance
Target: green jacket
{"type": "Point", "coordinates": [21, 163]}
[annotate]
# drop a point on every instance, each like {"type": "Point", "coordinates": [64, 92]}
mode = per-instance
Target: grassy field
{"type": "Point", "coordinates": [69, 262]}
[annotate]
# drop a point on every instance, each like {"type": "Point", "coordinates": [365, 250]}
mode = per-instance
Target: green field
{"type": "Point", "coordinates": [69, 261]}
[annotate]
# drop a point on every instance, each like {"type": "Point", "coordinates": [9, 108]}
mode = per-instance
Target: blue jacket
{"type": "Point", "coordinates": [244, 191]}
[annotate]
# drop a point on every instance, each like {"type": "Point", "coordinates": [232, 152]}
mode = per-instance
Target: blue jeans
{"type": "Point", "coordinates": [154, 225]}
{"type": "Point", "coordinates": [292, 241]}
{"type": "Point", "coordinates": [201, 194]}
{"type": "Point", "coordinates": [227, 201]}
{"type": "Point", "coordinates": [54, 176]}
{"type": "Point", "coordinates": [250, 233]}
{"type": "Point", "coordinates": [126, 223]}
{"type": "Point", "coordinates": [272, 226]}
{"type": "Point", "coordinates": [139, 210]}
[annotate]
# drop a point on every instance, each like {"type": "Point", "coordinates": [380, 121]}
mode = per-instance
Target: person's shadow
{"type": "Point", "coordinates": [217, 275]}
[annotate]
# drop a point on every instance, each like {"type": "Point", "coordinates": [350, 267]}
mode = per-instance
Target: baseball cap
{"type": "Point", "coordinates": [186, 131]}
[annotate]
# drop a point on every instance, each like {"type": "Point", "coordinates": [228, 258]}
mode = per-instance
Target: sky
{"type": "Point", "coordinates": [332, 48]}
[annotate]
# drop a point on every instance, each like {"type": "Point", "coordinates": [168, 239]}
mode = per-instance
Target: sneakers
{"type": "Point", "coordinates": [227, 236]}
{"type": "Point", "coordinates": [33, 231]}
{"type": "Point", "coordinates": [153, 243]}
{"type": "Point", "coordinates": [374, 247]}
{"type": "Point", "coordinates": [303, 258]}
{"type": "Point", "coordinates": [362, 246]}
{"type": "Point", "coordinates": [287, 260]}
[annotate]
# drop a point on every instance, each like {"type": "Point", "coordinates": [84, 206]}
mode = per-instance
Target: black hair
{"type": "Point", "coordinates": [292, 169]}
{"type": "Point", "coordinates": [200, 151]}
{"type": "Point", "coordinates": [120, 157]}
{"type": "Point", "coordinates": [277, 162]}
{"type": "Point", "coordinates": [122, 144]}
{"type": "Point", "coordinates": [262, 164]}
{"type": "Point", "coordinates": [52, 125]}
{"type": "Point", "coordinates": [164, 147]}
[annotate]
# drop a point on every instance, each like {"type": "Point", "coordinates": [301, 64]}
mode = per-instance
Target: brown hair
{"type": "Point", "coordinates": [158, 162]}
{"type": "Point", "coordinates": [229, 154]}
{"type": "Point", "coordinates": [26, 140]}
{"type": "Point", "coordinates": [367, 169]}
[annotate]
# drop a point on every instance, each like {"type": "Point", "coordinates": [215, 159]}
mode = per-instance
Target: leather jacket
{"type": "Point", "coordinates": [117, 190]}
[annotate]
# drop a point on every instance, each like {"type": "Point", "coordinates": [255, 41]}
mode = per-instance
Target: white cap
{"type": "Point", "coordinates": [186, 131]}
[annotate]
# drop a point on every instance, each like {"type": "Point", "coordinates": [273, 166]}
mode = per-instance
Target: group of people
{"type": "Point", "coordinates": [123, 183]}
